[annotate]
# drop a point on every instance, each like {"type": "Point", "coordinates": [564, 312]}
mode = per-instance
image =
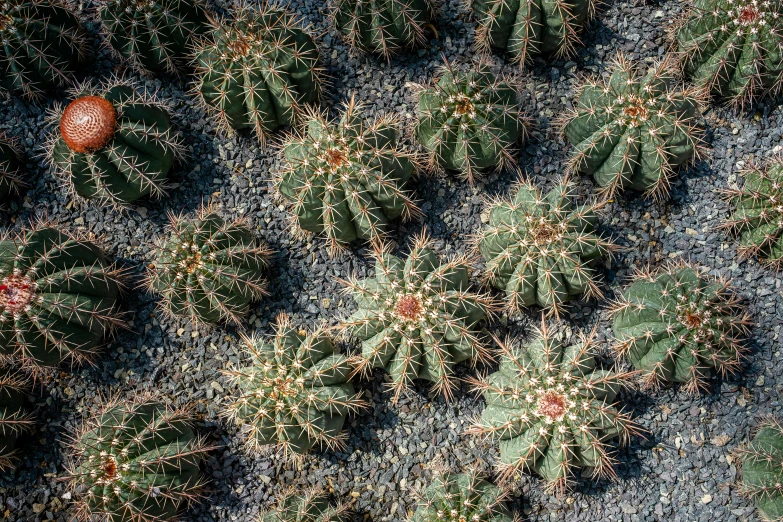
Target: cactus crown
{"type": "Point", "coordinates": [312, 506]}
{"type": "Point", "coordinates": [15, 420]}
{"type": "Point", "coordinates": [762, 469]}
{"type": "Point", "coordinates": [464, 497]}
{"type": "Point", "coordinates": [88, 124]}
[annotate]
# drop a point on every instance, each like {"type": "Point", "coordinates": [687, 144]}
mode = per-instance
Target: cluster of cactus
{"type": "Point", "coordinates": [208, 269]}
{"type": "Point", "coordinates": [632, 131]}
{"type": "Point", "coordinates": [113, 143]}
{"type": "Point", "coordinates": [312, 506]}
{"type": "Point", "coordinates": [347, 180]}
{"type": "Point", "coordinates": [539, 249]}
{"type": "Point", "coordinates": [10, 170]}
{"type": "Point", "coordinates": [15, 420]}
{"type": "Point", "coordinates": [462, 497]}
{"type": "Point", "coordinates": [257, 71]}
{"type": "Point", "coordinates": [294, 393]}
{"type": "Point", "coordinates": [676, 325]}
{"type": "Point", "coordinates": [761, 462]}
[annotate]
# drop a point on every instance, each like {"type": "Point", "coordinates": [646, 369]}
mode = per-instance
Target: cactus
{"type": "Point", "coordinates": [468, 121]}
{"type": "Point", "coordinates": [732, 48]}
{"type": "Point", "coordinates": [464, 497]}
{"type": "Point", "coordinates": [312, 506]}
{"type": "Point", "coordinates": [15, 420]}
{"type": "Point", "coordinates": [553, 409]}
{"type": "Point", "coordinates": [347, 180]}
{"type": "Point", "coordinates": [58, 298]}
{"type": "Point", "coordinates": [113, 144]}
{"type": "Point", "coordinates": [43, 45]}
{"type": "Point", "coordinates": [151, 35]}
{"type": "Point", "coordinates": [135, 460]}
{"type": "Point", "coordinates": [294, 393]}
{"type": "Point", "coordinates": [676, 325]}
{"type": "Point", "coordinates": [258, 71]}
{"type": "Point", "coordinates": [10, 170]}
{"type": "Point", "coordinates": [382, 27]}
{"type": "Point", "coordinates": [417, 318]}
{"type": "Point", "coordinates": [634, 130]}
{"type": "Point", "coordinates": [540, 249]}
{"type": "Point", "coordinates": [208, 269]}
{"type": "Point", "coordinates": [762, 469]}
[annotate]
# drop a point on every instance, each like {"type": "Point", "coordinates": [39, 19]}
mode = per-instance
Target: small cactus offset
{"type": "Point", "coordinates": [462, 497]}
{"type": "Point", "coordinates": [135, 461]}
{"type": "Point", "coordinates": [58, 298]}
{"type": "Point", "coordinates": [347, 180]}
{"type": "Point", "coordinates": [294, 394]}
{"type": "Point", "coordinates": [634, 130]}
{"type": "Point", "coordinates": [15, 420]}
{"type": "Point", "coordinates": [43, 44]}
{"type": "Point", "coordinates": [469, 121]}
{"type": "Point", "coordinates": [10, 170]}
{"type": "Point", "coordinates": [417, 318]}
{"type": "Point", "coordinates": [761, 462]}
{"type": "Point", "coordinates": [540, 249]}
{"type": "Point", "coordinates": [113, 144]}
{"type": "Point", "coordinates": [208, 269]}
{"type": "Point", "coordinates": [553, 409]}
{"type": "Point", "coordinates": [312, 506]}
{"type": "Point", "coordinates": [676, 325]}
{"type": "Point", "coordinates": [257, 71]}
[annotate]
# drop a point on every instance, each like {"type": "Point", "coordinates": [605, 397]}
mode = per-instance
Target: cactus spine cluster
{"type": "Point", "coordinates": [762, 469]}
{"type": "Point", "coordinates": [312, 506]}
{"type": "Point", "coordinates": [462, 497]}
{"type": "Point", "coordinates": [10, 170]}
{"type": "Point", "coordinates": [15, 420]}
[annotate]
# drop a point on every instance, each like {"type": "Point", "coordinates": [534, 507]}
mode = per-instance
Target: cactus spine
{"type": "Point", "coordinates": [10, 170]}
{"type": "Point", "coordinates": [15, 420]}
{"type": "Point", "coordinates": [462, 497]}
{"type": "Point", "coordinates": [762, 469]}
{"type": "Point", "coordinates": [312, 506]}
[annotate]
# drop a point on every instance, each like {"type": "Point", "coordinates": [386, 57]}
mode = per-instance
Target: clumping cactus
{"type": "Point", "coordinates": [58, 298]}
{"type": "Point", "coordinates": [347, 180]}
{"type": "Point", "coordinates": [135, 460]}
{"type": "Point", "coordinates": [208, 269]}
{"type": "Point", "coordinates": [417, 318]}
{"type": "Point", "coordinates": [294, 394]}
{"type": "Point", "coordinates": [113, 144]}
{"type": "Point", "coordinates": [43, 45]}
{"type": "Point", "coordinates": [540, 249]}
{"type": "Point", "coordinates": [312, 506]}
{"type": "Point", "coordinates": [257, 71]}
{"type": "Point", "coordinates": [634, 130]}
{"type": "Point", "coordinates": [761, 463]}
{"type": "Point", "coordinates": [10, 170]}
{"type": "Point", "coordinates": [468, 121]}
{"type": "Point", "coordinates": [462, 497]}
{"type": "Point", "coordinates": [676, 325]}
{"type": "Point", "coordinates": [553, 409]}
{"type": "Point", "coordinates": [15, 420]}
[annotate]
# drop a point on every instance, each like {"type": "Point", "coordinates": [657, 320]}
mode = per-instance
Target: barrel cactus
{"type": "Point", "coordinates": [58, 298]}
{"type": "Point", "coordinates": [676, 325]}
{"type": "Point", "coordinates": [113, 144]}
{"type": "Point", "coordinates": [135, 460]}
{"type": "Point", "coordinates": [634, 130]}
{"type": "Point", "coordinates": [294, 394]}
{"type": "Point", "coordinates": [312, 506]}
{"type": "Point", "coordinates": [43, 44]}
{"type": "Point", "coordinates": [10, 170]}
{"type": "Point", "coordinates": [540, 249]}
{"type": "Point", "coordinates": [417, 318]}
{"type": "Point", "coordinates": [553, 409]}
{"type": "Point", "coordinates": [761, 463]}
{"type": "Point", "coordinates": [468, 121]}
{"type": "Point", "coordinates": [347, 179]}
{"type": "Point", "coordinates": [257, 71]}
{"type": "Point", "coordinates": [462, 497]}
{"type": "Point", "coordinates": [15, 419]}
{"type": "Point", "coordinates": [208, 269]}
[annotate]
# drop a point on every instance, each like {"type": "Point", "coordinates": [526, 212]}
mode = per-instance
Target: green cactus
{"type": "Point", "coordinates": [15, 420]}
{"type": "Point", "coordinates": [135, 461]}
{"type": "Point", "coordinates": [468, 121]}
{"type": "Point", "coordinates": [734, 49]}
{"type": "Point", "coordinates": [417, 318]}
{"type": "Point", "coordinates": [294, 394]}
{"type": "Point", "coordinates": [347, 180]}
{"type": "Point", "coordinates": [464, 497]}
{"type": "Point", "coordinates": [540, 249]}
{"type": "Point", "coordinates": [312, 506]}
{"type": "Point", "coordinates": [258, 71]}
{"type": "Point", "coordinates": [553, 409]}
{"type": "Point", "coordinates": [676, 325]}
{"type": "Point", "coordinates": [761, 463]}
{"type": "Point", "coordinates": [43, 44]}
{"type": "Point", "coordinates": [634, 130]}
{"type": "Point", "coordinates": [58, 298]}
{"type": "Point", "coordinates": [208, 269]}
{"type": "Point", "coordinates": [113, 144]}
{"type": "Point", "coordinates": [10, 170]}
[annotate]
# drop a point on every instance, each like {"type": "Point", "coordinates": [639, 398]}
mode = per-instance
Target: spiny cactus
{"type": "Point", "coordinates": [312, 506]}
{"type": "Point", "coordinates": [15, 420]}
{"type": "Point", "coordinates": [113, 143]}
{"type": "Point", "coordinates": [733, 48]}
{"type": "Point", "coordinates": [540, 249]}
{"type": "Point", "coordinates": [208, 269]}
{"type": "Point", "coordinates": [58, 297]}
{"type": "Point", "coordinates": [382, 27]}
{"type": "Point", "coordinates": [468, 121]}
{"type": "Point", "coordinates": [527, 28]}
{"type": "Point", "coordinates": [43, 45]}
{"type": "Point", "coordinates": [257, 71]}
{"type": "Point", "coordinates": [762, 469]}
{"type": "Point", "coordinates": [553, 409]}
{"type": "Point", "coordinates": [347, 180]}
{"type": "Point", "coordinates": [153, 35]}
{"type": "Point", "coordinates": [10, 170]}
{"type": "Point", "coordinates": [676, 325]}
{"type": "Point", "coordinates": [135, 460]}
{"type": "Point", "coordinates": [417, 318]}
{"type": "Point", "coordinates": [634, 130]}
{"type": "Point", "coordinates": [294, 393]}
{"type": "Point", "coordinates": [462, 497]}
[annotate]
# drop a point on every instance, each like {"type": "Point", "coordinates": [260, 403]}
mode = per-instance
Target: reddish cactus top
{"type": "Point", "coordinates": [88, 124]}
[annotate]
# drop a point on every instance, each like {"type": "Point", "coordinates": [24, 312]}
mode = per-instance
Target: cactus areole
{"type": "Point", "coordinates": [16, 292]}
{"type": "Point", "coordinates": [88, 124]}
